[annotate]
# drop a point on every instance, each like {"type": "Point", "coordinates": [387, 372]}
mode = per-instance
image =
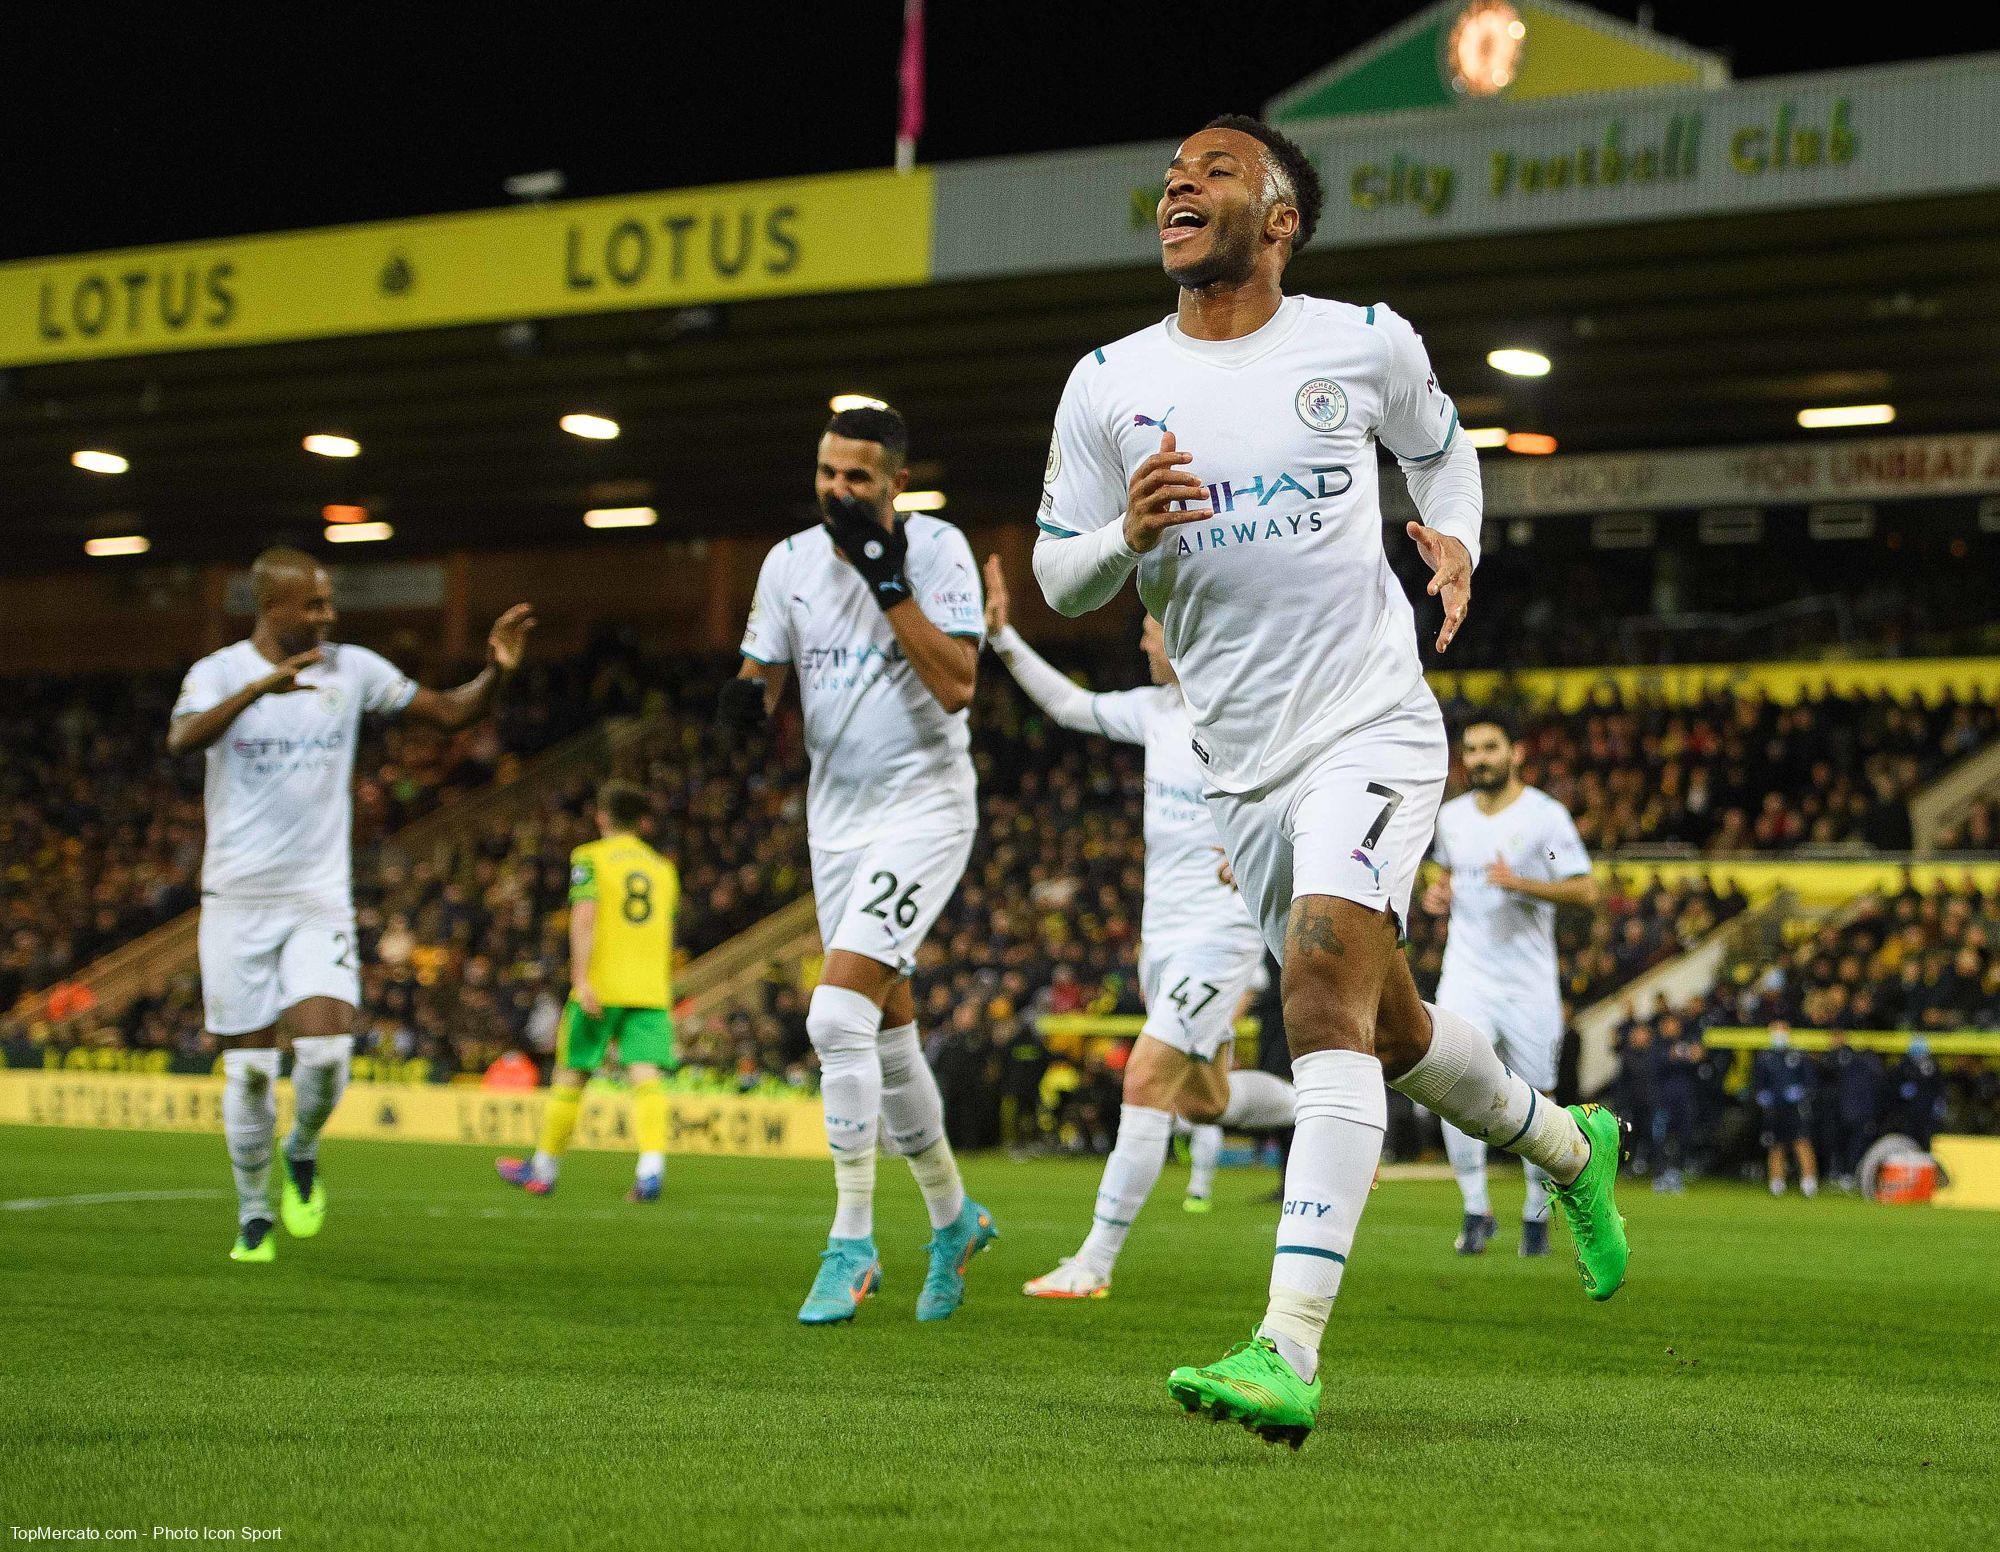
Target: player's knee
{"type": "Point", "coordinates": [1321, 1012]}
{"type": "Point", "coordinates": [841, 1023]}
{"type": "Point", "coordinates": [1198, 1105]}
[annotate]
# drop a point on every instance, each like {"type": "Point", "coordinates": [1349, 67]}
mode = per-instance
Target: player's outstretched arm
{"type": "Point", "coordinates": [198, 729]}
{"type": "Point", "coordinates": [1048, 688]}
{"type": "Point", "coordinates": [506, 645]}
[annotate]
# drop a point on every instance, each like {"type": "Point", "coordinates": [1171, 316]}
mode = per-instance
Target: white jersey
{"type": "Point", "coordinates": [884, 752]}
{"type": "Point", "coordinates": [1185, 899]}
{"type": "Point", "coordinates": [279, 785]}
{"type": "Point", "coordinates": [1281, 614]}
{"type": "Point", "coordinates": [1502, 946]}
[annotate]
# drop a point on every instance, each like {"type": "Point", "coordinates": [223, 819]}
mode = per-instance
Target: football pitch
{"type": "Point", "coordinates": [451, 1364]}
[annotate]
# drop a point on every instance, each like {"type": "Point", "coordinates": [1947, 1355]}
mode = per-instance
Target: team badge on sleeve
{"type": "Point", "coordinates": [1054, 466]}
{"type": "Point", "coordinates": [1321, 404]}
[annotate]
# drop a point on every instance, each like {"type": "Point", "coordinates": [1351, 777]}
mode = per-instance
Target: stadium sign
{"type": "Point", "coordinates": [749, 1126]}
{"type": "Point", "coordinates": [844, 232]}
{"type": "Point", "coordinates": [1888, 132]}
{"type": "Point", "coordinates": [1869, 469]}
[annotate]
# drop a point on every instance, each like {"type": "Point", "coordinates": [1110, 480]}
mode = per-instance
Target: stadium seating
{"type": "Point", "coordinates": [464, 940]}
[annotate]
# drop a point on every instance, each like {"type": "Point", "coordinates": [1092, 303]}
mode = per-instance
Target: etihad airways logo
{"type": "Point", "coordinates": [1196, 540]}
{"type": "Point", "coordinates": [1328, 480]}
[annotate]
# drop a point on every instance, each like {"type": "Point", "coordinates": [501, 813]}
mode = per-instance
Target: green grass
{"type": "Point", "coordinates": [454, 1365]}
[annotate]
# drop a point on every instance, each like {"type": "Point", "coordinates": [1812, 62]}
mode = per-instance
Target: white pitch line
{"type": "Point", "coordinates": [106, 1198]}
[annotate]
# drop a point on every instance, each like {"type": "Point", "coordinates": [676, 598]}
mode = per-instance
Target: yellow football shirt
{"type": "Point", "coordinates": [637, 892]}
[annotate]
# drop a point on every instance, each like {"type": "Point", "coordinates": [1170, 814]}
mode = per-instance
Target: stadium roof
{"type": "Point", "coordinates": [1764, 248]}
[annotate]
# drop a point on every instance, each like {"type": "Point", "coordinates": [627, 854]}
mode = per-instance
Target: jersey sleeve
{"type": "Point", "coordinates": [1122, 714]}
{"type": "Point", "coordinates": [1083, 484]}
{"type": "Point", "coordinates": [582, 875]}
{"type": "Point", "coordinates": [947, 586]}
{"type": "Point", "coordinates": [1562, 848]}
{"type": "Point", "coordinates": [384, 687]}
{"type": "Point", "coordinates": [767, 636]}
{"type": "Point", "coordinates": [1419, 422]}
{"type": "Point", "coordinates": [201, 690]}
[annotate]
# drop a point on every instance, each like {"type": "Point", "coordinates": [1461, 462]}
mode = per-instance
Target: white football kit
{"type": "Point", "coordinates": [1500, 967]}
{"type": "Point", "coordinates": [1322, 751]}
{"type": "Point", "coordinates": [277, 883]}
{"type": "Point", "coordinates": [1199, 949]}
{"type": "Point", "coordinates": [890, 803]}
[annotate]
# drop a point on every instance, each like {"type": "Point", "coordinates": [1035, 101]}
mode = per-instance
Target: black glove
{"type": "Point", "coordinates": [739, 709]}
{"type": "Point", "coordinates": [877, 553]}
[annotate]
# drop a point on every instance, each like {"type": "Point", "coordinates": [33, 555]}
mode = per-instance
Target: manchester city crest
{"type": "Point", "coordinates": [1321, 404]}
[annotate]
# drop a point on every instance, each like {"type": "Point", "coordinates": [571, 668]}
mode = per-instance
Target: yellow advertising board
{"type": "Point", "coordinates": [754, 1127]}
{"type": "Point", "coordinates": [1571, 689]}
{"type": "Point", "coordinates": [842, 232]}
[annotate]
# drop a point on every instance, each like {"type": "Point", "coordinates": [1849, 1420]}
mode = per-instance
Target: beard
{"type": "Point", "coordinates": [1229, 261]}
{"type": "Point", "coordinates": [1487, 778]}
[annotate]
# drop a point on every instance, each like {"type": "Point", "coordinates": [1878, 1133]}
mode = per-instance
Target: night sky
{"type": "Point", "coordinates": [185, 125]}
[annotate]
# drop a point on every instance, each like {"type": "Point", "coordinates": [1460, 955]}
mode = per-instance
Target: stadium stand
{"type": "Point", "coordinates": [464, 939]}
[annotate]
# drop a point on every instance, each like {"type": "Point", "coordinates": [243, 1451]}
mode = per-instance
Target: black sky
{"type": "Point", "coordinates": [199, 122]}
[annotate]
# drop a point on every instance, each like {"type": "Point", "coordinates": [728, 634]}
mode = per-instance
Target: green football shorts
{"type": "Point", "coordinates": [643, 1035]}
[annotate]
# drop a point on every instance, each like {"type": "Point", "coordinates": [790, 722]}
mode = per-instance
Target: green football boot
{"type": "Point", "coordinates": [1196, 1204]}
{"type": "Point", "coordinates": [255, 1242]}
{"type": "Point", "coordinates": [302, 1211]}
{"type": "Point", "coordinates": [1588, 1207]}
{"type": "Point", "coordinates": [1253, 1386]}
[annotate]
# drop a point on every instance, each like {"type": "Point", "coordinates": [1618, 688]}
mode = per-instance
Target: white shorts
{"type": "Point", "coordinates": [260, 957]}
{"type": "Point", "coordinates": [1529, 1039]}
{"type": "Point", "coordinates": [881, 900]}
{"type": "Point", "coordinates": [1354, 821]}
{"type": "Point", "coordinates": [1193, 990]}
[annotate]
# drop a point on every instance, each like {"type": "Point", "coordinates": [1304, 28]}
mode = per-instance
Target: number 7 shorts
{"type": "Point", "coordinates": [882, 899]}
{"type": "Point", "coordinates": [1354, 821]}
{"type": "Point", "coordinates": [260, 957]}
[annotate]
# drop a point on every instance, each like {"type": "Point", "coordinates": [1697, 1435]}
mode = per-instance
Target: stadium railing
{"type": "Point", "coordinates": [1956, 1042]}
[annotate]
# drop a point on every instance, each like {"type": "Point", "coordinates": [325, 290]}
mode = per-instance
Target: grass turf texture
{"type": "Point", "coordinates": [452, 1365]}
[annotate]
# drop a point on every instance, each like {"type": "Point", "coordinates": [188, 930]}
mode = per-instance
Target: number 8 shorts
{"type": "Point", "coordinates": [882, 899]}
{"type": "Point", "coordinates": [1353, 821]}
{"type": "Point", "coordinates": [260, 957]}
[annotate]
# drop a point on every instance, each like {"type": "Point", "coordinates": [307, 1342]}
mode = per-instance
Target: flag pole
{"type": "Point", "coordinates": [910, 83]}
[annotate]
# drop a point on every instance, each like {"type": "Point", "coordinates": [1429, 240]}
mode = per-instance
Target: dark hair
{"type": "Point", "coordinates": [872, 425]}
{"type": "Point", "coordinates": [1292, 162]}
{"type": "Point", "coordinates": [623, 804]}
{"type": "Point", "coordinates": [1492, 719]}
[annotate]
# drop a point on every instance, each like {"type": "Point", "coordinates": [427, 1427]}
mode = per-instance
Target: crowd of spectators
{"type": "Point", "coordinates": [1924, 962]}
{"type": "Point", "coordinates": [1735, 772]}
{"type": "Point", "coordinates": [465, 949]}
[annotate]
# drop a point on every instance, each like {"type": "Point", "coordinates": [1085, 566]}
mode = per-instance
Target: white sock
{"type": "Point", "coordinates": [320, 1064]}
{"type": "Point", "coordinates": [249, 1120]}
{"type": "Point", "coordinates": [913, 1113]}
{"type": "Point", "coordinates": [1535, 1209]}
{"type": "Point", "coordinates": [651, 1166]}
{"type": "Point", "coordinates": [1462, 1078]}
{"type": "Point", "coordinates": [842, 1026]}
{"type": "Point", "coordinates": [1343, 1111]}
{"type": "Point", "coordinates": [1468, 1168]}
{"type": "Point", "coordinates": [1258, 1101]}
{"type": "Point", "coordinates": [1129, 1173]}
{"type": "Point", "coordinates": [545, 1166]}
{"type": "Point", "coordinates": [1204, 1153]}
